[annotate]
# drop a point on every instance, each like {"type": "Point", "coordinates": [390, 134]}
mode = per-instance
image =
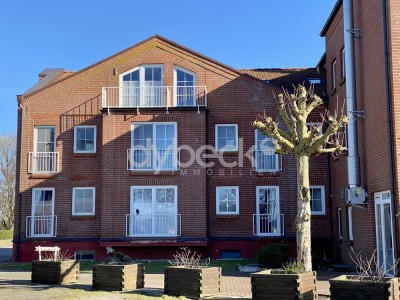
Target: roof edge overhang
{"type": "Point", "coordinates": [331, 17]}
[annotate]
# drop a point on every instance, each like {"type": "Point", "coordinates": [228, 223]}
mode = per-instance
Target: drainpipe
{"type": "Point", "coordinates": [388, 94]}
{"type": "Point", "coordinates": [353, 161]}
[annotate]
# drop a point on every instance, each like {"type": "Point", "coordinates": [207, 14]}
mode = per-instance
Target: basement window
{"type": "Point", "coordinates": [85, 255]}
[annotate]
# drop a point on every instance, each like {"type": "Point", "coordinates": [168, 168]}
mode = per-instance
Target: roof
{"type": "Point", "coordinates": [331, 17]}
{"type": "Point", "coordinates": [288, 78]}
{"type": "Point", "coordinates": [61, 77]}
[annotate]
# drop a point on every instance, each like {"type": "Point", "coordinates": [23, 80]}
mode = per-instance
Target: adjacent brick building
{"type": "Point", "coordinates": [373, 224]}
{"type": "Point", "coordinates": [114, 155]}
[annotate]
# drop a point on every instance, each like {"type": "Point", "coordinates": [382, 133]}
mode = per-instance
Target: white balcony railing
{"type": "Point", "coordinates": [153, 225]}
{"type": "Point", "coordinates": [41, 226]}
{"type": "Point", "coordinates": [266, 161]}
{"type": "Point", "coordinates": [156, 96]}
{"type": "Point", "coordinates": [268, 225]}
{"type": "Point", "coordinates": [43, 162]}
{"type": "Point", "coordinates": [153, 159]}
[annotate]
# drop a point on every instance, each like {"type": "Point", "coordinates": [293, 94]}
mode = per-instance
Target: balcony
{"type": "Point", "coordinates": [43, 162]}
{"type": "Point", "coordinates": [266, 161]}
{"type": "Point", "coordinates": [153, 225]}
{"type": "Point", "coordinates": [41, 226]}
{"type": "Point", "coordinates": [153, 159]}
{"type": "Point", "coordinates": [268, 225]}
{"type": "Point", "coordinates": [154, 97]}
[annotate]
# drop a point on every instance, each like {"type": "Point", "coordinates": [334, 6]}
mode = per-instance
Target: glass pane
{"type": "Point", "coordinates": [79, 194]}
{"type": "Point", "coordinates": [223, 194]}
{"type": "Point", "coordinates": [223, 207]}
{"type": "Point", "coordinates": [88, 207]}
{"type": "Point", "coordinates": [135, 75]}
{"type": "Point", "coordinates": [157, 74]}
{"type": "Point", "coordinates": [232, 194]}
{"type": "Point", "coordinates": [160, 195]}
{"type": "Point", "coordinates": [221, 131]}
{"type": "Point", "coordinates": [231, 131]}
{"type": "Point", "coordinates": [126, 77]}
{"type": "Point", "coordinates": [170, 196]}
{"type": "Point", "coordinates": [160, 131]}
{"type": "Point", "coordinates": [180, 75]}
{"type": "Point", "coordinates": [232, 206]}
{"type": "Point", "coordinates": [89, 133]}
{"type": "Point", "coordinates": [189, 77]}
{"type": "Point", "coordinates": [147, 195]}
{"type": "Point", "coordinates": [148, 74]}
{"type": "Point", "coordinates": [137, 196]}
{"type": "Point", "coordinates": [316, 193]}
{"type": "Point", "coordinates": [80, 133]}
{"type": "Point", "coordinates": [169, 132]}
{"type": "Point", "coordinates": [41, 135]}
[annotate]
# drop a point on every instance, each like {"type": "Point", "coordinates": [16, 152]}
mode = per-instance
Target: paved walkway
{"type": "Point", "coordinates": [17, 283]}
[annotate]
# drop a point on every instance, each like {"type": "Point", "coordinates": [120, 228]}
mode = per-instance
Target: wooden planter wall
{"type": "Point", "coordinates": [267, 285]}
{"type": "Point", "coordinates": [345, 287]}
{"type": "Point", "coordinates": [118, 277]}
{"type": "Point", "coordinates": [192, 283]}
{"type": "Point", "coordinates": [55, 272]}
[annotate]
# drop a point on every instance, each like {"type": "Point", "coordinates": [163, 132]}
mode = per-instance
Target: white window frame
{"type": "Point", "coordinates": [141, 69]}
{"type": "Point", "coordinates": [176, 83]}
{"type": "Point", "coordinates": [217, 190]}
{"type": "Point", "coordinates": [76, 135]}
{"type": "Point", "coordinates": [153, 205]}
{"type": "Point", "coordinates": [322, 212]}
{"type": "Point", "coordinates": [45, 127]}
{"type": "Point", "coordinates": [333, 74]}
{"type": "Point", "coordinates": [175, 144]}
{"type": "Point", "coordinates": [277, 156]}
{"type": "Point", "coordinates": [278, 209]}
{"type": "Point", "coordinates": [317, 124]}
{"type": "Point", "coordinates": [342, 52]}
{"type": "Point", "coordinates": [92, 213]}
{"type": "Point", "coordinates": [53, 229]}
{"type": "Point", "coordinates": [217, 147]}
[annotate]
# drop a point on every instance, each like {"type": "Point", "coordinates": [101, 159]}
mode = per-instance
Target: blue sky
{"type": "Point", "coordinates": [76, 33]}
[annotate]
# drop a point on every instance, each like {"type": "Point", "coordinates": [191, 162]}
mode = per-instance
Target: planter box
{"type": "Point", "coordinates": [112, 277]}
{"type": "Point", "coordinates": [271, 284]}
{"type": "Point", "coordinates": [192, 283]}
{"type": "Point", "coordinates": [55, 272]}
{"type": "Point", "coordinates": [347, 287]}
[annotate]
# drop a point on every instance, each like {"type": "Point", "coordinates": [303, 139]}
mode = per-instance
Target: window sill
{"type": "Point", "coordinates": [83, 155]}
{"type": "Point", "coordinates": [83, 217]}
{"type": "Point", "coordinates": [153, 173]}
{"type": "Point", "coordinates": [318, 217]}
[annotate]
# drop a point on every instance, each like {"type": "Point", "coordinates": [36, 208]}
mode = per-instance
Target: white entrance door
{"type": "Point", "coordinates": [384, 231]}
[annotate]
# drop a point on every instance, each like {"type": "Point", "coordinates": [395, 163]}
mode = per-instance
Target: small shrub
{"type": "Point", "coordinates": [62, 256]}
{"type": "Point", "coordinates": [273, 256]}
{"type": "Point", "coordinates": [6, 234]}
{"type": "Point", "coordinates": [294, 267]}
{"type": "Point", "coordinates": [187, 259]}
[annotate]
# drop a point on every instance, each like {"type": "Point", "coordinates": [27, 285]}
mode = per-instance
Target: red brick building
{"type": "Point", "coordinates": [362, 55]}
{"type": "Point", "coordinates": [152, 149]}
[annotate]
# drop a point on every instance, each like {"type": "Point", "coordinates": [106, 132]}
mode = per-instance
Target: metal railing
{"type": "Point", "coordinates": [266, 161]}
{"type": "Point", "coordinates": [153, 159]}
{"type": "Point", "coordinates": [153, 225]}
{"type": "Point", "coordinates": [43, 162]}
{"type": "Point", "coordinates": [41, 226]}
{"type": "Point", "coordinates": [268, 224]}
{"type": "Point", "coordinates": [155, 96]}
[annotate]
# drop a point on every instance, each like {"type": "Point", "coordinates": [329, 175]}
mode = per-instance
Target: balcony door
{"type": "Point", "coordinates": [143, 87]}
{"type": "Point", "coordinates": [265, 157]}
{"type": "Point", "coordinates": [153, 211]}
{"type": "Point", "coordinates": [185, 87]}
{"type": "Point", "coordinates": [42, 218]}
{"type": "Point", "coordinates": [268, 217]}
{"type": "Point", "coordinates": [45, 158]}
{"type": "Point", "coordinates": [384, 231]}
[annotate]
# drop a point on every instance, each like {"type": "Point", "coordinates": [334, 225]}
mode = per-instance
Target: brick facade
{"type": "Point", "coordinates": [76, 99]}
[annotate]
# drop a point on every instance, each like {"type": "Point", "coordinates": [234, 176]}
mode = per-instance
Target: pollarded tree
{"type": "Point", "coordinates": [303, 141]}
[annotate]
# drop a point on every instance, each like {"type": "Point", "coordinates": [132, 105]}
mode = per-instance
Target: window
{"type": "Point", "coordinates": [85, 139]}
{"type": "Point", "coordinates": [340, 228]}
{"type": "Point", "coordinates": [317, 200]}
{"type": "Point", "coordinates": [85, 255]}
{"type": "Point", "coordinates": [154, 147]}
{"type": "Point", "coordinates": [44, 159]}
{"type": "Point", "coordinates": [333, 74]}
{"type": "Point", "coordinates": [153, 211]}
{"type": "Point", "coordinates": [268, 220]}
{"type": "Point", "coordinates": [226, 137]}
{"type": "Point", "coordinates": [83, 201]}
{"type": "Point", "coordinates": [143, 87]}
{"type": "Point", "coordinates": [264, 154]}
{"type": "Point", "coordinates": [343, 66]}
{"type": "Point", "coordinates": [42, 222]}
{"type": "Point", "coordinates": [310, 125]}
{"type": "Point", "coordinates": [185, 87]}
{"type": "Point", "coordinates": [314, 80]}
{"type": "Point", "coordinates": [227, 200]}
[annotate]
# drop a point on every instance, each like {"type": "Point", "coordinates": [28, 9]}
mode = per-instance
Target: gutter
{"type": "Point", "coordinates": [388, 96]}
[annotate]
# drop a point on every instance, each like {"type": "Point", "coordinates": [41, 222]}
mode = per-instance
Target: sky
{"type": "Point", "coordinates": [73, 34]}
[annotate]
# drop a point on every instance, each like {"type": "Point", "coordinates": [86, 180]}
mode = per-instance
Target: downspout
{"type": "Point", "coordinates": [388, 94]}
{"type": "Point", "coordinates": [18, 175]}
{"type": "Point", "coordinates": [330, 201]}
{"type": "Point", "coordinates": [353, 161]}
{"type": "Point", "coordinates": [207, 190]}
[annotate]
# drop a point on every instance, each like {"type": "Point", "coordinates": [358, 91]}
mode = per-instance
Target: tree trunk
{"type": "Point", "coordinates": [303, 228]}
